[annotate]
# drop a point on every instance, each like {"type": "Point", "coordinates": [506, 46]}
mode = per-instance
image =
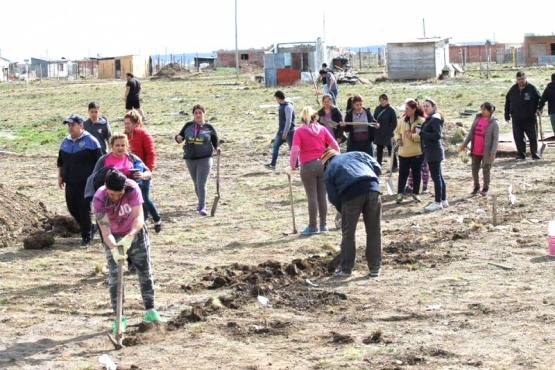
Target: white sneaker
{"type": "Point", "coordinates": [444, 203]}
{"type": "Point", "coordinates": [433, 207]}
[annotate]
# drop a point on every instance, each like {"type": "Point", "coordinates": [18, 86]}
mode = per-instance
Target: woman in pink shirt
{"type": "Point", "coordinates": [484, 135]}
{"type": "Point", "coordinates": [309, 142]}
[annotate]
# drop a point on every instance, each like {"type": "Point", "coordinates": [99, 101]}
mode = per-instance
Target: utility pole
{"type": "Point", "coordinates": [424, 27]}
{"type": "Point", "coordinates": [236, 45]}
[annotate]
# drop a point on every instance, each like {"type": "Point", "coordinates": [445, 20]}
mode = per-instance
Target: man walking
{"type": "Point", "coordinates": [331, 82]}
{"type": "Point", "coordinates": [286, 116]}
{"type": "Point", "coordinates": [119, 213]}
{"type": "Point", "coordinates": [549, 97]}
{"type": "Point", "coordinates": [76, 160]}
{"type": "Point", "coordinates": [132, 95]}
{"type": "Point", "coordinates": [353, 188]}
{"type": "Point", "coordinates": [98, 126]}
{"type": "Point", "coordinates": [521, 107]}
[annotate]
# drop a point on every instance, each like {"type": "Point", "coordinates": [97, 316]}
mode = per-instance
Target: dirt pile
{"type": "Point", "coordinates": [172, 70]}
{"type": "Point", "coordinates": [19, 217]}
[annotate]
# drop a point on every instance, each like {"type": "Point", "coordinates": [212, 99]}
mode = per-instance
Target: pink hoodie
{"type": "Point", "coordinates": [309, 142]}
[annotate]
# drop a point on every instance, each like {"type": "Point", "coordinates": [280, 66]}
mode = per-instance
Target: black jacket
{"type": "Point", "coordinates": [336, 116]}
{"type": "Point", "coordinates": [430, 138]}
{"type": "Point", "coordinates": [387, 118]}
{"type": "Point", "coordinates": [549, 97]}
{"type": "Point", "coordinates": [521, 105]}
{"type": "Point", "coordinates": [198, 142]}
{"type": "Point", "coordinates": [371, 130]}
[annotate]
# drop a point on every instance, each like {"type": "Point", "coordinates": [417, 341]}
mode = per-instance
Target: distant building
{"type": "Point", "coordinates": [4, 69]}
{"type": "Point", "coordinates": [44, 67]}
{"type": "Point", "coordinates": [118, 67]}
{"type": "Point", "coordinates": [87, 67]}
{"type": "Point", "coordinates": [420, 59]}
{"type": "Point", "coordinates": [226, 58]}
{"type": "Point", "coordinates": [539, 49]}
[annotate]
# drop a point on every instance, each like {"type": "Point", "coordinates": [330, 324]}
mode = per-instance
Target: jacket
{"type": "Point", "coordinates": [549, 97]}
{"type": "Point", "coordinates": [89, 188]}
{"type": "Point", "coordinates": [141, 144]}
{"type": "Point", "coordinates": [198, 144]}
{"type": "Point", "coordinates": [100, 130]}
{"type": "Point", "coordinates": [371, 130]}
{"type": "Point", "coordinates": [346, 170]}
{"type": "Point", "coordinates": [285, 108]}
{"type": "Point", "coordinates": [77, 158]}
{"type": "Point", "coordinates": [387, 118]}
{"type": "Point", "coordinates": [411, 147]}
{"type": "Point", "coordinates": [336, 116]}
{"type": "Point", "coordinates": [491, 138]}
{"type": "Point", "coordinates": [430, 138]}
{"type": "Point", "coordinates": [522, 105]}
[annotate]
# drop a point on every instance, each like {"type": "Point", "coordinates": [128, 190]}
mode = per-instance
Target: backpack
{"type": "Point", "coordinates": [100, 176]}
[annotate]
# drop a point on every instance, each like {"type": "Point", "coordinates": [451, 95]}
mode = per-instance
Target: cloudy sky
{"type": "Point", "coordinates": [76, 29]}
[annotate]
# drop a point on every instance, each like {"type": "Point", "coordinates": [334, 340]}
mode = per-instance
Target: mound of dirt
{"type": "Point", "coordinates": [19, 217]}
{"type": "Point", "coordinates": [172, 70]}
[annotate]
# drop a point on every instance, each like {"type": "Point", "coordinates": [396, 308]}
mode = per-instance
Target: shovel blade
{"type": "Point", "coordinates": [117, 343]}
{"type": "Point", "coordinates": [389, 186]}
{"type": "Point", "coordinates": [542, 148]}
{"type": "Point", "coordinates": [214, 205]}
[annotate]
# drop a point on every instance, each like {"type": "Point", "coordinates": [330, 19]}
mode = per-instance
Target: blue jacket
{"type": "Point", "coordinates": [77, 158]}
{"type": "Point", "coordinates": [349, 170]}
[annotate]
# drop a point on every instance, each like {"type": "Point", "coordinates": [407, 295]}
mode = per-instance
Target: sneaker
{"type": "Point", "coordinates": [433, 207]}
{"type": "Point", "coordinates": [309, 230]}
{"type": "Point", "coordinates": [153, 315]}
{"type": "Point", "coordinates": [475, 191]}
{"type": "Point", "coordinates": [444, 203]}
{"type": "Point", "coordinates": [535, 157]}
{"type": "Point", "coordinates": [484, 192]}
{"type": "Point", "coordinates": [399, 199]}
{"type": "Point", "coordinates": [324, 229]}
{"type": "Point", "coordinates": [201, 211]}
{"type": "Point", "coordinates": [158, 227]}
{"type": "Point", "coordinates": [425, 191]}
{"type": "Point", "coordinates": [374, 272]}
{"type": "Point", "coordinates": [85, 243]}
{"type": "Point", "coordinates": [416, 198]}
{"type": "Point", "coordinates": [270, 166]}
{"type": "Point", "coordinates": [408, 190]}
{"type": "Point", "coordinates": [342, 273]}
{"type": "Point", "coordinates": [520, 158]}
{"type": "Point", "coordinates": [123, 324]}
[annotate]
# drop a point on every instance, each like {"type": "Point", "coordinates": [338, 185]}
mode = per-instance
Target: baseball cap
{"type": "Point", "coordinates": [328, 153]}
{"type": "Point", "coordinates": [74, 118]}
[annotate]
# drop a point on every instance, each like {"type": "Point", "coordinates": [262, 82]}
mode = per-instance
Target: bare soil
{"type": "Point", "coordinates": [456, 291]}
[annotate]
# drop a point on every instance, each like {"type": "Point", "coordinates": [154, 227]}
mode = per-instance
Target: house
{"type": "Point", "coordinates": [87, 67]}
{"type": "Point", "coordinates": [288, 63]}
{"type": "Point", "coordinates": [44, 67]}
{"type": "Point", "coordinates": [118, 67]}
{"type": "Point", "coordinates": [480, 52]}
{"type": "Point", "coordinates": [4, 69]}
{"type": "Point", "coordinates": [205, 62]}
{"type": "Point", "coordinates": [539, 49]}
{"type": "Point", "coordinates": [420, 59]}
{"type": "Point", "coordinates": [226, 58]}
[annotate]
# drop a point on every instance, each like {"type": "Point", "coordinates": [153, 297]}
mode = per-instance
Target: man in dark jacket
{"type": "Point", "coordinates": [549, 97]}
{"type": "Point", "coordinates": [98, 126]}
{"type": "Point", "coordinates": [386, 116]}
{"type": "Point", "coordinates": [76, 160]}
{"type": "Point", "coordinates": [521, 106]}
{"type": "Point", "coordinates": [286, 116]}
{"type": "Point", "coordinates": [353, 188]}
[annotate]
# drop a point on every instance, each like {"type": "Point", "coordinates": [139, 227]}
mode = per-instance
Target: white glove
{"type": "Point", "coordinates": [288, 170]}
{"type": "Point", "coordinates": [117, 256]}
{"type": "Point", "coordinates": [125, 242]}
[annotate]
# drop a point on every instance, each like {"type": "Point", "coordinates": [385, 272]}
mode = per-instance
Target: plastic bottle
{"type": "Point", "coordinates": [551, 238]}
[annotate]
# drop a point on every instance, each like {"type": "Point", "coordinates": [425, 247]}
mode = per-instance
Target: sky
{"type": "Point", "coordinates": [78, 29]}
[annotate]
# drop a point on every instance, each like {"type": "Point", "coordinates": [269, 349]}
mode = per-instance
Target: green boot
{"type": "Point", "coordinates": [153, 315]}
{"type": "Point", "coordinates": [123, 324]}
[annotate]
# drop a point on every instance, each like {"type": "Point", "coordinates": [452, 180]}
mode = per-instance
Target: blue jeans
{"type": "Point", "coordinates": [440, 188]}
{"type": "Point", "coordinates": [278, 142]}
{"type": "Point", "coordinates": [149, 208]}
{"type": "Point", "coordinates": [333, 92]}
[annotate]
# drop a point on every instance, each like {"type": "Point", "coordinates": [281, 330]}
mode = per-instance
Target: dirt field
{"type": "Point", "coordinates": [455, 292]}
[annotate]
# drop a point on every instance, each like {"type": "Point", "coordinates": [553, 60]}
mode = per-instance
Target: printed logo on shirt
{"type": "Point", "coordinates": [124, 210]}
{"type": "Point", "coordinates": [81, 144]}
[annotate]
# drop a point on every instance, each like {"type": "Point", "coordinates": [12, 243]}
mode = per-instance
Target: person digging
{"type": "Point", "coordinates": [119, 213]}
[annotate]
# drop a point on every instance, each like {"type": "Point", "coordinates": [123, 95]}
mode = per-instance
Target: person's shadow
{"type": "Point", "coordinates": [543, 259]}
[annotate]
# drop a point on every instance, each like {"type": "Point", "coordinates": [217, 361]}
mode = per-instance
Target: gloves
{"type": "Point", "coordinates": [125, 242]}
{"type": "Point", "coordinates": [117, 256]}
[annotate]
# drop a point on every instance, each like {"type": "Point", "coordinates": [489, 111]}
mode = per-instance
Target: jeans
{"type": "Point", "coordinates": [440, 187]}
{"type": "Point", "coordinates": [333, 92]}
{"type": "Point", "coordinates": [406, 165]}
{"type": "Point", "coordinates": [370, 205]}
{"type": "Point", "coordinates": [149, 208]}
{"type": "Point", "coordinates": [312, 176]}
{"type": "Point", "coordinates": [79, 208]}
{"type": "Point", "coordinates": [199, 169]}
{"type": "Point", "coordinates": [278, 142]}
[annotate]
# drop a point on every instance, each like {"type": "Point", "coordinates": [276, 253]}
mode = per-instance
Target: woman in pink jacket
{"type": "Point", "coordinates": [309, 142]}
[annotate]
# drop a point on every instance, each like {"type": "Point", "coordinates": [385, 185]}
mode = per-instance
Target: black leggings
{"type": "Point", "coordinates": [440, 187]}
{"type": "Point", "coordinates": [406, 164]}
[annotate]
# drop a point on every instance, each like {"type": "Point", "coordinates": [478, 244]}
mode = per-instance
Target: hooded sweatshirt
{"type": "Point", "coordinates": [309, 142]}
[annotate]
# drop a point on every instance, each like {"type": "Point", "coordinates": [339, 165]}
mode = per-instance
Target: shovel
{"type": "Point", "coordinates": [117, 338]}
{"type": "Point", "coordinates": [333, 124]}
{"type": "Point", "coordinates": [314, 84]}
{"type": "Point", "coordinates": [544, 145]}
{"type": "Point", "coordinates": [389, 181]}
{"type": "Point", "coordinates": [292, 207]}
{"type": "Point", "coordinates": [217, 197]}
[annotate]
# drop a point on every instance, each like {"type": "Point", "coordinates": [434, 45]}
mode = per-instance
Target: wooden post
{"type": "Point", "coordinates": [494, 209]}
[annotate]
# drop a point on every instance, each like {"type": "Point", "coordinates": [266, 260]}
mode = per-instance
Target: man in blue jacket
{"type": "Point", "coordinates": [353, 188]}
{"type": "Point", "coordinates": [76, 160]}
{"type": "Point", "coordinates": [286, 116]}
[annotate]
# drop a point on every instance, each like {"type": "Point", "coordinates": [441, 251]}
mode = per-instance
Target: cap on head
{"type": "Point", "coordinates": [384, 97]}
{"type": "Point", "coordinates": [279, 94]}
{"type": "Point", "coordinates": [74, 118]}
{"type": "Point", "coordinates": [115, 181]}
{"type": "Point", "coordinates": [328, 153]}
